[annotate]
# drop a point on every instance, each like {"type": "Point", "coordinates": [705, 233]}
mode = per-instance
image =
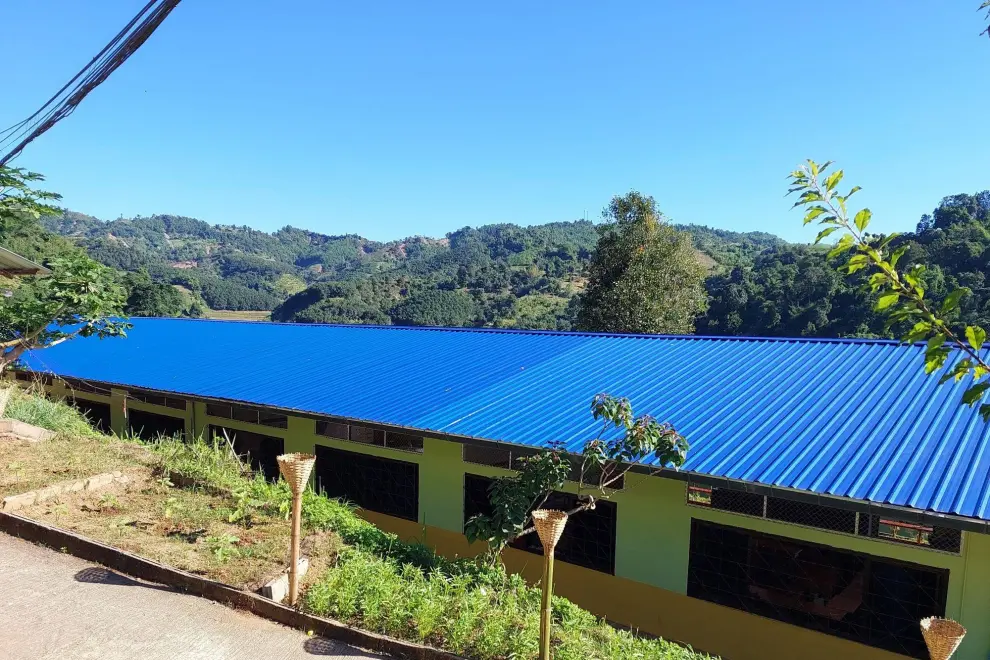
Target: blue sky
{"type": "Point", "coordinates": [391, 119]}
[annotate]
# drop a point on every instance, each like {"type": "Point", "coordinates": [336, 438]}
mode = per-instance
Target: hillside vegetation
{"type": "Point", "coordinates": [520, 277]}
{"type": "Point", "coordinates": [496, 275]}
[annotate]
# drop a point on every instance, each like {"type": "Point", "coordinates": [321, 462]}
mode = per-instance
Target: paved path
{"type": "Point", "coordinates": [54, 605]}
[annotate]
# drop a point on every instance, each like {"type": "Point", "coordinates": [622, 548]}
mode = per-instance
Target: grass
{"type": "Point", "coordinates": [229, 315]}
{"type": "Point", "coordinates": [194, 506]}
{"type": "Point", "coordinates": [31, 408]}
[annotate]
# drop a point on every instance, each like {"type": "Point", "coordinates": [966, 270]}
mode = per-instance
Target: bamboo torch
{"type": "Point", "coordinates": [549, 525]}
{"type": "Point", "coordinates": [295, 469]}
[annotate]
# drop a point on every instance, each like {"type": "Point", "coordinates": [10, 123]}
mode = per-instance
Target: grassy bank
{"type": "Point", "coordinates": [194, 506]}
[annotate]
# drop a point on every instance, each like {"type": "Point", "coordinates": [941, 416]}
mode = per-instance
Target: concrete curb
{"type": "Point", "coordinates": [145, 569]}
{"type": "Point", "coordinates": [11, 429]}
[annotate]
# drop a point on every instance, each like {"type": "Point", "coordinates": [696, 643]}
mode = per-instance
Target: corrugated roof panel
{"type": "Point", "coordinates": [849, 418]}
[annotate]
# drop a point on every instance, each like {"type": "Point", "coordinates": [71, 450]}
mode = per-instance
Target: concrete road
{"type": "Point", "coordinates": [53, 605]}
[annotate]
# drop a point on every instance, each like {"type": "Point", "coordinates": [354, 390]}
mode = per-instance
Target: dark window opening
{"type": "Point", "coordinates": [149, 425]}
{"type": "Point", "coordinates": [95, 412]}
{"type": "Point", "coordinates": [247, 414]}
{"type": "Point", "coordinates": [377, 484]}
{"type": "Point", "coordinates": [811, 515]}
{"type": "Point", "coordinates": [260, 451]}
{"type": "Point", "coordinates": [369, 436]}
{"type": "Point", "coordinates": [493, 456]}
{"type": "Point", "coordinates": [867, 599]}
{"type": "Point", "coordinates": [821, 516]}
{"type": "Point", "coordinates": [588, 539]}
{"type": "Point", "coordinates": [75, 385]}
{"type": "Point", "coordinates": [157, 399]}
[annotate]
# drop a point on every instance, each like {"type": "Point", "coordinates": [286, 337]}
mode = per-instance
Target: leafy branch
{"type": "Point", "coordinates": [623, 441]}
{"type": "Point", "coordinates": [901, 292]}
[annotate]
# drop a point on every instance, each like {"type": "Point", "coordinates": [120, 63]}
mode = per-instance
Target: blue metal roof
{"type": "Point", "coordinates": [848, 418]}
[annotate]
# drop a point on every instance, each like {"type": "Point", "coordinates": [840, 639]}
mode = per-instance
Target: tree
{"type": "Point", "coordinates": [80, 298]}
{"type": "Point", "coordinates": [622, 441]}
{"type": "Point", "coordinates": [901, 293]}
{"type": "Point", "coordinates": [146, 297]}
{"type": "Point", "coordinates": [436, 308]}
{"type": "Point", "coordinates": [644, 276]}
{"type": "Point", "coordinates": [986, 5]}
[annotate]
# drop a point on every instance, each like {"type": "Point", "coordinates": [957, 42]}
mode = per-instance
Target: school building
{"type": "Point", "coordinates": [832, 497]}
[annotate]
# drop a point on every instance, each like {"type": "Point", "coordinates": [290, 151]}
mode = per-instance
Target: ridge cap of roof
{"type": "Point", "coordinates": [517, 331]}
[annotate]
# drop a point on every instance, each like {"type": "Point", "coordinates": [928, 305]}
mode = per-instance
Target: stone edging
{"type": "Point", "coordinates": [15, 502]}
{"type": "Point", "coordinates": [145, 569]}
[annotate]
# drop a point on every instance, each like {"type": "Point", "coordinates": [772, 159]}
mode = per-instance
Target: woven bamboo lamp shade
{"type": "Point", "coordinates": [549, 524]}
{"type": "Point", "coordinates": [295, 469]}
{"type": "Point", "coordinates": [942, 636]}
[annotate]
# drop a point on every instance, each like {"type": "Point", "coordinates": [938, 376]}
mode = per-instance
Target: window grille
{"type": "Point", "coordinates": [247, 414]}
{"type": "Point", "coordinates": [260, 451]}
{"type": "Point", "coordinates": [888, 528]}
{"type": "Point", "coordinates": [378, 484]}
{"type": "Point", "coordinates": [588, 539]}
{"type": "Point", "coordinates": [149, 425]}
{"type": "Point", "coordinates": [825, 517]}
{"type": "Point", "coordinates": [370, 436]}
{"type": "Point", "coordinates": [84, 387]}
{"type": "Point", "coordinates": [96, 413]}
{"type": "Point", "coordinates": [867, 599]}
{"type": "Point", "coordinates": [157, 399]}
{"type": "Point", "coordinates": [509, 459]}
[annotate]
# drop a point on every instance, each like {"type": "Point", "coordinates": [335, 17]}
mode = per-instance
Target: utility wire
{"type": "Point", "coordinates": [61, 105]}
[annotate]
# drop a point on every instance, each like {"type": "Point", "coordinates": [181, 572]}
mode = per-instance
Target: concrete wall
{"type": "Point", "coordinates": [648, 590]}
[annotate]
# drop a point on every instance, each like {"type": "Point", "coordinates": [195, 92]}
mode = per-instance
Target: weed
{"type": "Point", "coordinates": [223, 547]}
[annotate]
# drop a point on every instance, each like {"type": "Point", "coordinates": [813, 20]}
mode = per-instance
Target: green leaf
{"type": "Point", "coordinates": [936, 340]}
{"type": "Point", "coordinates": [952, 300]}
{"type": "Point", "coordinates": [862, 219]}
{"type": "Point", "coordinates": [985, 412]}
{"type": "Point", "coordinates": [825, 233]}
{"type": "Point", "coordinates": [976, 336]}
{"type": "Point", "coordinates": [833, 180]}
{"type": "Point", "coordinates": [975, 393]}
{"type": "Point", "coordinates": [887, 300]}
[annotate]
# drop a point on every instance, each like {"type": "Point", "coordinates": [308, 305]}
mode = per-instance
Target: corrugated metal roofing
{"type": "Point", "coordinates": [12, 263]}
{"type": "Point", "coordinates": [849, 418]}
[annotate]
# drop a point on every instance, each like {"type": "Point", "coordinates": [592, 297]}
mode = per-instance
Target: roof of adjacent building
{"type": "Point", "coordinates": [12, 263]}
{"type": "Point", "coordinates": [848, 418]}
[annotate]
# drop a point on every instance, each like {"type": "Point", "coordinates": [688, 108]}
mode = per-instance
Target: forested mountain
{"type": "Point", "coordinates": [525, 277]}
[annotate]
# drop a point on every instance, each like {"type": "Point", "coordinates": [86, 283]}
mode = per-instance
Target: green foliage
{"type": "Point", "coordinates": [622, 441]}
{"type": "Point", "coordinates": [47, 413]}
{"type": "Point", "coordinates": [148, 298]}
{"type": "Point", "coordinates": [644, 276]}
{"type": "Point", "coordinates": [901, 293]}
{"type": "Point", "coordinates": [436, 308]}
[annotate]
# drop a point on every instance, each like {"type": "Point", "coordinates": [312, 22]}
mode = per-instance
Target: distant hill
{"type": "Point", "coordinates": [497, 275]}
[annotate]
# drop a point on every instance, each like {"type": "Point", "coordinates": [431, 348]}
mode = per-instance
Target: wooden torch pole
{"type": "Point", "coordinates": [549, 525]}
{"type": "Point", "coordinates": [294, 554]}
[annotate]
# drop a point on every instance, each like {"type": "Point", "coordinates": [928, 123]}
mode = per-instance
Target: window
{"type": "Point", "coordinates": [378, 484]}
{"type": "Point", "coordinates": [919, 534]}
{"type": "Point", "coordinates": [149, 425]}
{"type": "Point", "coordinates": [96, 413]}
{"type": "Point", "coordinates": [77, 386]}
{"type": "Point", "coordinates": [369, 436]}
{"type": "Point", "coordinates": [588, 539]}
{"type": "Point", "coordinates": [261, 450]}
{"type": "Point", "coordinates": [821, 516]}
{"type": "Point", "coordinates": [867, 599]}
{"type": "Point", "coordinates": [494, 456]}
{"type": "Point", "coordinates": [157, 399]}
{"type": "Point", "coordinates": [260, 416]}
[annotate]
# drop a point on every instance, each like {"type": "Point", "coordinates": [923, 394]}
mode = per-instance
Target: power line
{"type": "Point", "coordinates": [65, 100]}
